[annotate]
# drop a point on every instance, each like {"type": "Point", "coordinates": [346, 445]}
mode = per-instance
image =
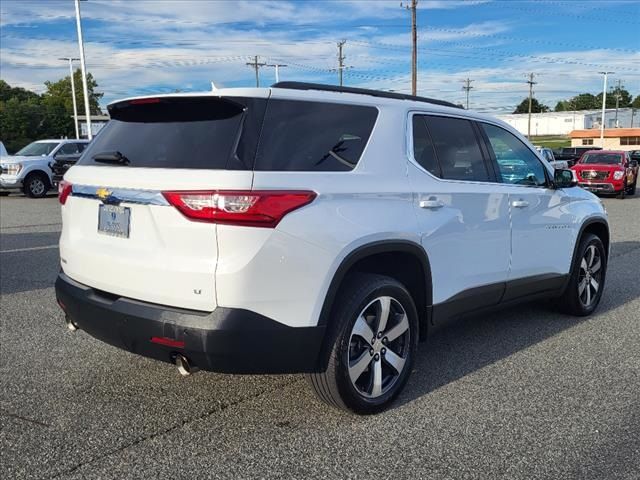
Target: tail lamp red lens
{"type": "Point", "coordinates": [251, 208]}
{"type": "Point", "coordinates": [64, 190]}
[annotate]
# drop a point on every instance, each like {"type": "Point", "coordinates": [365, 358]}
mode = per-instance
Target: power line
{"type": "Point", "coordinates": [414, 44]}
{"type": "Point", "coordinates": [531, 84]}
{"type": "Point", "coordinates": [256, 66]}
{"type": "Point", "coordinates": [467, 87]}
{"type": "Point", "coordinates": [277, 67]}
{"type": "Point", "coordinates": [341, 59]}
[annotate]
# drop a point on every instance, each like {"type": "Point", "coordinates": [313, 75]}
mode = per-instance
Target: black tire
{"type": "Point", "coordinates": [360, 293]}
{"type": "Point", "coordinates": [36, 185]}
{"type": "Point", "coordinates": [4, 194]}
{"type": "Point", "coordinates": [572, 299]}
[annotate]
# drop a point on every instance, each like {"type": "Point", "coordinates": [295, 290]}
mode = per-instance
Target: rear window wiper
{"type": "Point", "coordinates": [111, 157]}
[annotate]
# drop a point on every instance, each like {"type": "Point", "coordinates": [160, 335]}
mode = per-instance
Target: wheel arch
{"type": "Point", "coordinates": [403, 260]}
{"type": "Point", "coordinates": [597, 226]}
{"type": "Point", "coordinates": [37, 171]}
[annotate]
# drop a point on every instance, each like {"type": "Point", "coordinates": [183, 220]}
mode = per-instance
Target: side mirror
{"type": "Point", "coordinates": [564, 178]}
{"type": "Point", "coordinates": [634, 163]}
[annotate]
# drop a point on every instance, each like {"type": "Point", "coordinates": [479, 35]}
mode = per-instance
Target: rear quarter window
{"type": "Point", "coordinates": [313, 136]}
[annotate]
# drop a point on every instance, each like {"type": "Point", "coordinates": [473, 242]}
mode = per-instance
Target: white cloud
{"type": "Point", "coordinates": [142, 46]}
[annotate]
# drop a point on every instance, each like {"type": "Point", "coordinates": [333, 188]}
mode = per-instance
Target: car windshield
{"type": "Point", "coordinates": [37, 149]}
{"type": "Point", "coordinates": [602, 158]}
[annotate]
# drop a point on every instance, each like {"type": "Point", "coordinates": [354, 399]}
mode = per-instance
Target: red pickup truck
{"type": "Point", "coordinates": [607, 171]}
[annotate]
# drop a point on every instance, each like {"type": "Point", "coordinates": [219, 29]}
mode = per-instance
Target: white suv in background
{"type": "Point", "coordinates": [307, 228]}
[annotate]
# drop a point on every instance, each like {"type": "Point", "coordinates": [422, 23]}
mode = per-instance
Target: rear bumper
{"type": "Point", "coordinates": [226, 340]}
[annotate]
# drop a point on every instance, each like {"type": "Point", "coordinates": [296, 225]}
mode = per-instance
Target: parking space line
{"type": "Point", "coordinates": [29, 249]}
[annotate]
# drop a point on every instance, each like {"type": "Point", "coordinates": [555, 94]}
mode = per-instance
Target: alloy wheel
{"type": "Point", "coordinates": [379, 347]}
{"type": "Point", "coordinates": [590, 277]}
{"type": "Point", "coordinates": [36, 187]}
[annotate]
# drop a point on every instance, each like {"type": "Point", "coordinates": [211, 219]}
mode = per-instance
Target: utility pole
{"type": "Point", "coordinates": [617, 94]}
{"type": "Point", "coordinates": [531, 84]}
{"type": "Point", "coordinates": [277, 67]}
{"type": "Point", "coordinates": [256, 66]}
{"type": "Point", "coordinates": [414, 45]}
{"type": "Point", "coordinates": [467, 87]}
{"type": "Point", "coordinates": [604, 106]}
{"type": "Point", "coordinates": [73, 93]}
{"type": "Point", "coordinates": [341, 59]}
{"type": "Point", "coordinates": [85, 89]}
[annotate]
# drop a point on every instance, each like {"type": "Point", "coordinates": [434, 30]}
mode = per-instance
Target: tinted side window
{"type": "Point", "coordinates": [313, 136]}
{"type": "Point", "coordinates": [423, 151]}
{"type": "Point", "coordinates": [69, 149]}
{"type": "Point", "coordinates": [516, 163]}
{"type": "Point", "coordinates": [457, 149]}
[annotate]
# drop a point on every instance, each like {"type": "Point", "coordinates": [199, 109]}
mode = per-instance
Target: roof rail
{"type": "Point", "coordinates": [360, 91]}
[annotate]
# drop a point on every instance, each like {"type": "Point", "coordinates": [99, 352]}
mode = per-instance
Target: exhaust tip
{"type": "Point", "coordinates": [184, 365]}
{"type": "Point", "coordinates": [70, 325]}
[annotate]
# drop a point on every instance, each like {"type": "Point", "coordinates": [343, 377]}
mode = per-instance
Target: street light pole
{"type": "Point", "coordinates": [604, 106]}
{"type": "Point", "coordinates": [73, 94]}
{"type": "Point", "coordinates": [85, 89]}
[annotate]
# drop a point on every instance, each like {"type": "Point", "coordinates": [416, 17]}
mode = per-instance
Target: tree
{"type": "Point", "coordinates": [26, 116]}
{"type": "Point", "coordinates": [58, 104]}
{"type": "Point", "coordinates": [536, 107]}
{"type": "Point", "coordinates": [636, 102]}
{"type": "Point", "coordinates": [625, 98]}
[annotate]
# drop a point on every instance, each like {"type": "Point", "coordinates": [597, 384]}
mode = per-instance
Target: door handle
{"type": "Point", "coordinates": [431, 204]}
{"type": "Point", "coordinates": [519, 204]}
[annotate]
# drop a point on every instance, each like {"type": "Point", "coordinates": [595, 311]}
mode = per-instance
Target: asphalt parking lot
{"type": "Point", "coordinates": [522, 393]}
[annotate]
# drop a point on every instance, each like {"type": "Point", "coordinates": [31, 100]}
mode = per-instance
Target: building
{"type": "Point", "coordinates": [97, 122]}
{"type": "Point", "coordinates": [614, 138]}
{"type": "Point", "coordinates": [562, 123]}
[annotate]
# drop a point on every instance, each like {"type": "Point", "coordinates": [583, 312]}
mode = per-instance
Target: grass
{"type": "Point", "coordinates": [551, 141]}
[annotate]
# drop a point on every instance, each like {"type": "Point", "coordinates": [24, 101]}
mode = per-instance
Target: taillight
{"type": "Point", "coordinates": [64, 190]}
{"type": "Point", "coordinates": [245, 208]}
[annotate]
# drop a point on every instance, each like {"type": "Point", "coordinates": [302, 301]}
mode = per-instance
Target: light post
{"type": "Point", "coordinates": [85, 89]}
{"type": "Point", "coordinates": [604, 106]}
{"type": "Point", "coordinates": [73, 94]}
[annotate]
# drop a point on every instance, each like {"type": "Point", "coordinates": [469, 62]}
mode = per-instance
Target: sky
{"type": "Point", "coordinates": [143, 47]}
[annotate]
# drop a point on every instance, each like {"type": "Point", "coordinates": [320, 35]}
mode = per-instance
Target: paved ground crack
{"type": "Point", "coordinates": [24, 419]}
{"type": "Point", "coordinates": [176, 427]}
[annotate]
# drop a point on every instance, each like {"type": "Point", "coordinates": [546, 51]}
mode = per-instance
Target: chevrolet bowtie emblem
{"type": "Point", "coordinates": [103, 193]}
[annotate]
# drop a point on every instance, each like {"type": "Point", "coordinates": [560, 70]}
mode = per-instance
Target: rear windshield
{"type": "Point", "coordinates": [313, 136]}
{"type": "Point", "coordinates": [178, 132]}
{"type": "Point", "coordinates": [602, 158]}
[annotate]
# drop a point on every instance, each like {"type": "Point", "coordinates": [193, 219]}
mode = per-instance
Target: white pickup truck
{"type": "Point", "coordinates": [29, 171]}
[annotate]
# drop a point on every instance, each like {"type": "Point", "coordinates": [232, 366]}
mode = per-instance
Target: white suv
{"type": "Point", "coordinates": [306, 228]}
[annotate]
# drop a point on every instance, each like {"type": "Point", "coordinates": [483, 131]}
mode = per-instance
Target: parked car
{"type": "Point", "coordinates": [635, 155]}
{"type": "Point", "coordinates": [548, 155]}
{"type": "Point", "coordinates": [3, 151]}
{"type": "Point", "coordinates": [573, 154]}
{"type": "Point", "coordinates": [607, 171]}
{"type": "Point", "coordinates": [316, 229]}
{"type": "Point", "coordinates": [29, 169]}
